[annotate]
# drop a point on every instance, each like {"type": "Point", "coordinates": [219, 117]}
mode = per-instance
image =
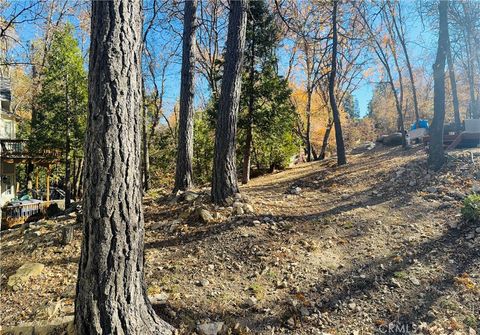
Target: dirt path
{"type": "Point", "coordinates": [374, 247]}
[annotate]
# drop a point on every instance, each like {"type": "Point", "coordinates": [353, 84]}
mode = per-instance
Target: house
{"type": "Point", "coordinates": [7, 134]}
{"type": "Point", "coordinates": [13, 152]}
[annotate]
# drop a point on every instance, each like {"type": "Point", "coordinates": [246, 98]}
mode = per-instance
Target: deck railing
{"type": "Point", "coordinates": [18, 148]}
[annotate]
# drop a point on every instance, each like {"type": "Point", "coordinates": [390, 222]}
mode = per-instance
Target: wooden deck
{"type": "Point", "coordinates": [464, 139]}
{"type": "Point", "coordinates": [17, 214]}
{"type": "Point", "coordinates": [17, 151]}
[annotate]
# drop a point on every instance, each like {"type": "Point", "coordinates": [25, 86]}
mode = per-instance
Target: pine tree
{"type": "Point", "coordinates": [111, 293]}
{"type": "Point", "coordinates": [61, 116]}
{"type": "Point", "coordinates": [266, 111]}
{"type": "Point", "coordinates": [224, 179]}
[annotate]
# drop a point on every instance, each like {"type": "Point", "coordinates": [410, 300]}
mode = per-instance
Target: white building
{"type": "Point", "coordinates": [7, 133]}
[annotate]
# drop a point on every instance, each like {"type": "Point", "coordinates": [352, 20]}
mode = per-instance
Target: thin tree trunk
{"type": "Point", "coordinates": [470, 45]}
{"type": "Point", "coordinates": [247, 153]}
{"type": "Point", "coordinates": [183, 171]}
{"type": "Point", "coordinates": [326, 136]}
{"type": "Point", "coordinates": [401, 35]}
{"type": "Point", "coordinates": [379, 51]}
{"type": "Point", "coordinates": [453, 87]}
{"type": "Point", "coordinates": [145, 156]}
{"type": "Point", "coordinates": [78, 179]}
{"type": "Point", "coordinates": [309, 124]}
{"type": "Point", "coordinates": [74, 176]}
{"type": "Point", "coordinates": [400, 83]}
{"type": "Point", "coordinates": [111, 292]}
{"type": "Point", "coordinates": [341, 156]}
{"type": "Point", "coordinates": [224, 180]}
{"type": "Point", "coordinates": [436, 156]}
{"type": "Point", "coordinates": [251, 101]}
{"type": "Point", "coordinates": [67, 147]}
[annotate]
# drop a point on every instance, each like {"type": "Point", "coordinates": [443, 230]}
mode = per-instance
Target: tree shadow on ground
{"type": "Point", "coordinates": [347, 284]}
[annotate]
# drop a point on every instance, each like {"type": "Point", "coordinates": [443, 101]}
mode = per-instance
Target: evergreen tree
{"type": "Point", "coordinates": [61, 117]}
{"type": "Point", "coordinates": [267, 115]}
{"type": "Point", "coordinates": [350, 106]}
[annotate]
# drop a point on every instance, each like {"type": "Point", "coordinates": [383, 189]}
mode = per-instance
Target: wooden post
{"type": "Point", "coordinates": [48, 183]}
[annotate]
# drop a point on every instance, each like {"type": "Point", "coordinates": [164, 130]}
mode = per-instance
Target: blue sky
{"type": "Point", "coordinates": [421, 41]}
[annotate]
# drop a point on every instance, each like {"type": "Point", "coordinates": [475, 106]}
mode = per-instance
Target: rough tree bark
{"type": "Point", "coordinates": [224, 179]}
{"type": "Point", "coordinates": [183, 170]}
{"type": "Point", "coordinates": [111, 293]}
{"type": "Point", "coordinates": [436, 156]}
{"type": "Point", "coordinates": [341, 157]}
{"type": "Point", "coordinates": [453, 87]}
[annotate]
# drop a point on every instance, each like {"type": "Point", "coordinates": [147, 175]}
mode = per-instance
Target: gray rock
{"type": "Point", "coordinates": [23, 273]}
{"type": "Point", "coordinates": [414, 280]}
{"type": "Point", "coordinates": [295, 190]}
{"type": "Point", "coordinates": [248, 208]}
{"type": "Point", "coordinates": [237, 204]}
{"type": "Point", "coordinates": [159, 299]}
{"type": "Point", "coordinates": [239, 210]}
{"type": "Point", "coordinates": [251, 301]}
{"type": "Point", "coordinates": [190, 196]}
{"type": "Point", "coordinates": [210, 328]}
{"type": "Point", "coordinates": [204, 215]}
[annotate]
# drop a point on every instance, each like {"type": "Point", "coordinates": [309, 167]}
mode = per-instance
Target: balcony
{"type": "Point", "coordinates": [16, 151]}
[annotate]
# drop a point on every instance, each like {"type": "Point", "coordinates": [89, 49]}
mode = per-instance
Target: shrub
{"type": "Point", "coordinates": [471, 208]}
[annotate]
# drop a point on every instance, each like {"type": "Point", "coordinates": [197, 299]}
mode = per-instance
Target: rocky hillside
{"type": "Point", "coordinates": [375, 247]}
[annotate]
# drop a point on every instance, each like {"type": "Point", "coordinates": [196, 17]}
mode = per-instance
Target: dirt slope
{"type": "Point", "coordinates": [375, 247]}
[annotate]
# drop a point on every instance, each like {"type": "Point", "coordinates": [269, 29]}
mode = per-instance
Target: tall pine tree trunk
{"type": "Point", "coordinates": [224, 180]}
{"type": "Point", "coordinates": [341, 157]}
{"type": "Point", "coordinates": [183, 172]}
{"type": "Point", "coordinates": [436, 155]}
{"type": "Point", "coordinates": [111, 293]}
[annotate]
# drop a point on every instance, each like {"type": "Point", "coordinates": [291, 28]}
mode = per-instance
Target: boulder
{"type": "Point", "coordinates": [190, 196]}
{"type": "Point", "coordinates": [248, 208]}
{"type": "Point", "coordinates": [23, 273]}
{"type": "Point", "coordinates": [364, 147]}
{"type": "Point", "coordinates": [204, 215]}
{"type": "Point", "coordinates": [393, 139]}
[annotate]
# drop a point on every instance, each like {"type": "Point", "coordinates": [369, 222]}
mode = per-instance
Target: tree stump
{"type": "Point", "coordinates": [67, 235]}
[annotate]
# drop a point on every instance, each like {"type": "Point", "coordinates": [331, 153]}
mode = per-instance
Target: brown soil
{"type": "Point", "coordinates": [363, 249]}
